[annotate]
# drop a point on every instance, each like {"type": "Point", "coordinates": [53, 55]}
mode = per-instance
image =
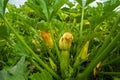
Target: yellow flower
{"type": "Point", "coordinates": [47, 38]}
{"type": "Point", "coordinates": [65, 41]}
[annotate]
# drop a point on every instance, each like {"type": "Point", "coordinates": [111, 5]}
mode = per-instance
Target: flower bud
{"type": "Point", "coordinates": [65, 41]}
{"type": "Point", "coordinates": [47, 38]}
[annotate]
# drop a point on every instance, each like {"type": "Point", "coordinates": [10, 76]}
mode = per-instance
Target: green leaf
{"type": "Point", "coordinates": [40, 7]}
{"type": "Point", "coordinates": [3, 4]}
{"type": "Point", "coordinates": [46, 9]}
{"type": "Point", "coordinates": [111, 5]}
{"type": "Point", "coordinates": [15, 73]}
{"type": "Point", "coordinates": [18, 71]}
{"type": "Point", "coordinates": [44, 75]}
{"type": "Point", "coordinates": [89, 1]}
{"type": "Point", "coordinates": [3, 74]}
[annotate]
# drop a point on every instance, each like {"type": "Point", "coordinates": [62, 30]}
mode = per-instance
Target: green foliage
{"type": "Point", "coordinates": [96, 38]}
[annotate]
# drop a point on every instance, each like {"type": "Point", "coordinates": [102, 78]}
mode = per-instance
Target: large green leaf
{"type": "Point", "coordinates": [35, 5]}
{"type": "Point", "coordinates": [3, 4]}
{"type": "Point", "coordinates": [40, 7]}
{"type": "Point", "coordinates": [18, 71]}
{"type": "Point", "coordinates": [46, 9]}
{"type": "Point", "coordinates": [15, 73]}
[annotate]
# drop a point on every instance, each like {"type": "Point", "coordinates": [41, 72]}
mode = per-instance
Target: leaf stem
{"type": "Point", "coordinates": [81, 25]}
{"type": "Point", "coordinates": [36, 65]}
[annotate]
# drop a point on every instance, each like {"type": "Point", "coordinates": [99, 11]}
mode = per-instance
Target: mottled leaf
{"type": "Point", "coordinates": [15, 73]}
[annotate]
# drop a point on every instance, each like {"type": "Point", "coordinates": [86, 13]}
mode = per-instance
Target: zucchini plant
{"type": "Point", "coordinates": [45, 40]}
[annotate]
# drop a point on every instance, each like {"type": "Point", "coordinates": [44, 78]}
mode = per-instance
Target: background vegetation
{"type": "Point", "coordinates": [30, 38]}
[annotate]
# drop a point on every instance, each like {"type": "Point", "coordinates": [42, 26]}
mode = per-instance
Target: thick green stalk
{"type": "Point", "coordinates": [64, 63]}
{"type": "Point", "coordinates": [81, 25]}
{"type": "Point", "coordinates": [31, 51]}
{"type": "Point", "coordinates": [99, 58]}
